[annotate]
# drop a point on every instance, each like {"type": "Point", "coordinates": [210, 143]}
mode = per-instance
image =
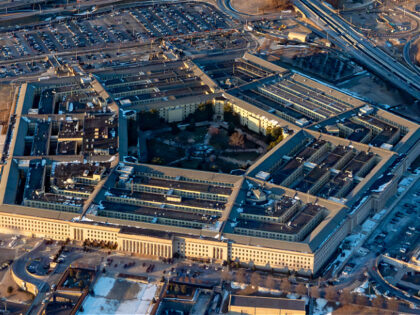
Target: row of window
{"type": "Point", "coordinates": [264, 234]}
{"type": "Point", "coordinates": [52, 206]}
{"type": "Point", "coordinates": [190, 249]}
{"type": "Point", "coordinates": [180, 192]}
{"type": "Point", "coordinates": [191, 180]}
{"type": "Point", "coordinates": [139, 202]}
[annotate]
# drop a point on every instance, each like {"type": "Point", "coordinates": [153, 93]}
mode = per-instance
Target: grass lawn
{"type": "Point", "coordinates": [243, 156]}
{"type": "Point", "coordinates": [184, 136]}
{"type": "Point", "coordinates": [166, 153]}
{"type": "Point", "coordinates": [192, 164]}
{"type": "Point", "coordinates": [220, 141]}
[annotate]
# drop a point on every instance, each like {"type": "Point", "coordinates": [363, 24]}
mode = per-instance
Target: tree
{"type": "Point", "coordinates": [361, 299]}
{"type": "Point", "coordinates": [269, 282]}
{"type": "Point", "coordinates": [393, 305]}
{"type": "Point", "coordinates": [213, 130]}
{"type": "Point", "coordinates": [331, 293]}
{"type": "Point", "coordinates": [191, 126]}
{"type": "Point", "coordinates": [230, 116]}
{"type": "Point", "coordinates": [237, 140]}
{"type": "Point", "coordinates": [231, 128]}
{"type": "Point", "coordinates": [378, 301]}
{"type": "Point", "coordinates": [285, 285]}
{"type": "Point", "coordinates": [301, 289]}
{"type": "Point", "coordinates": [157, 160]}
{"type": "Point", "coordinates": [176, 289]}
{"type": "Point", "coordinates": [314, 292]}
{"type": "Point", "coordinates": [346, 297]}
{"type": "Point", "coordinates": [240, 276]}
{"type": "Point", "coordinates": [175, 129]}
{"type": "Point", "coordinates": [255, 279]}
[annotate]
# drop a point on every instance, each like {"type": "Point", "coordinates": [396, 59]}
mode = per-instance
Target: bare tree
{"type": "Point", "coordinates": [285, 285]}
{"type": "Point", "coordinates": [301, 289]}
{"type": "Point", "coordinates": [378, 301]}
{"type": "Point", "coordinates": [393, 305]}
{"type": "Point", "coordinates": [331, 293]}
{"type": "Point", "coordinates": [255, 279]}
{"type": "Point", "coordinates": [314, 292]}
{"type": "Point", "coordinates": [269, 282]}
{"type": "Point", "coordinates": [213, 130]}
{"type": "Point", "coordinates": [361, 299]}
{"type": "Point", "coordinates": [240, 276]}
{"type": "Point", "coordinates": [346, 297]}
{"type": "Point", "coordinates": [276, 4]}
{"type": "Point", "coordinates": [237, 140]}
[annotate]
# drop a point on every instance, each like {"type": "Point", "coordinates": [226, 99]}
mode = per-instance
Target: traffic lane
{"type": "Point", "coordinates": [14, 308]}
{"type": "Point", "coordinates": [375, 60]}
{"type": "Point", "coordinates": [374, 274]}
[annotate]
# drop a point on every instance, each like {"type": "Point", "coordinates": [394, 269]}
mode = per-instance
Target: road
{"type": "Point", "coordinates": [19, 268]}
{"type": "Point", "coordinates": [341, 33]}
{"type": "Point", "coordinates": [406, 52]}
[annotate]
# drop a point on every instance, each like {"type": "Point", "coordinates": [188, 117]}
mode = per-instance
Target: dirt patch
{"type": "Point", "coordinates": [373, 89]}
{"type": "Point", "coordinates": [124, 290]}
{"type": "Point", "coordinates": [6, 97]}
{"type": "Point", "coordinates": [352, 309]}
{"type": "Point", "coordinates": [410, 111]}
{"type": "Point", "coordinates": [15, 295]}
{"type": "Point", "coordinates": [260, 6]}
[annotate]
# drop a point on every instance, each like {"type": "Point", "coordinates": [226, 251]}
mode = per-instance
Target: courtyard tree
{"type": "Point", "coordinates": [203, 112]}
{"type": "Point", "coordinates": [157, 160]}
{"type": "Point", "coordinates": [213, 130]}
{"type": "Point", "coordinates": [237, 139]}
{"type": "Point", "coordinates": [230, 116]}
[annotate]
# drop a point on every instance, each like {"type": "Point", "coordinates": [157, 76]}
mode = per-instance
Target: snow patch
{"type": "Point", "coordinates": [103, 286]}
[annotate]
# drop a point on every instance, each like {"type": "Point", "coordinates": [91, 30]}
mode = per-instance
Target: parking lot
{"type": "Point", "coordinates": [400, 233]}
{"type": "Point", "coordinates": [141, 23]}
{"type": "Point", "coordinates": [21, 48]}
